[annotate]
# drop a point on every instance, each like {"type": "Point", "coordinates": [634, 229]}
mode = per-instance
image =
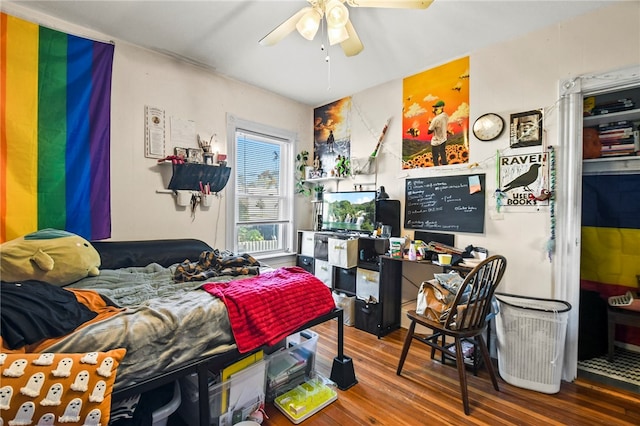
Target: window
{"type": "Point", "coordinates": [261, 183]}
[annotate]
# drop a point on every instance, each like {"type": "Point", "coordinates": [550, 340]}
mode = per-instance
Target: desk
{"type": "Point", "coordinates": [462, 270]}
{"type": "Point", "coordinates": [623, 317]}
{"type": "Point", "coordinates": [395, 265]}
{"type": "Point", "coordinates": [391, 277]}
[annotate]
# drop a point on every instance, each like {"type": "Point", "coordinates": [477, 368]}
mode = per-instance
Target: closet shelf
{"type": "Point", "coordinates": [595, 120]}
{"type": "Point", "coordinates": [626, 164]}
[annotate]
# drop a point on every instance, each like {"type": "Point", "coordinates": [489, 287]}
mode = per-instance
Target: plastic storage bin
{"type": "Point", "coordinates": [230, 401]}
{"type": "Point", "coordinates": [291, 366]}
{"type": "Point", "coordinates": [161, 415]}
{"type": "Point", "coordinates": [308, 398]}
{"type": "Point", "coordinates": [531, 338]}
{"type": "Point", "coordinates": [348, 305]}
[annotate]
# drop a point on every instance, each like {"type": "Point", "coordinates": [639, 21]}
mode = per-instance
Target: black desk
{"type": "Point", "coordinates": [393, 266]}
{"type": "Point", "coordinates": [389, 317]}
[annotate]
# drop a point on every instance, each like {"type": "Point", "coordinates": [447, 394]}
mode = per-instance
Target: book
{"type": "Point", "coordinates": [623, 147]}
{"type": "Point", "coordinates": [443, 248]}
{"type": "Point", "coordinates": [612, 109]}
{"type": "Point", "coordinates": [618, 141]}
{"type": "Point", "coordinates": [626, 131]}
{"type": "Point", "coordinates": [621, 100]}
{"type": "Point", "coordinates": [281, 367]}
{"type": "Point", "coordinates": [617, 153]}
{"type": "Point", "coordinates": [246, 389]}
{"type": "Point", "coordinates": [236, 367]}
{"type": "Point", "coordinates": [615, 125]}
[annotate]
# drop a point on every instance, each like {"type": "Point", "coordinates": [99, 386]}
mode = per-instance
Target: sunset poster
{"type": "Point", "coordinates": [444, 89]}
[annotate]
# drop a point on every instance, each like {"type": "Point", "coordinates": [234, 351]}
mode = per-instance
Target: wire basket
{"type": "Point", "coordinates": [531, 338]}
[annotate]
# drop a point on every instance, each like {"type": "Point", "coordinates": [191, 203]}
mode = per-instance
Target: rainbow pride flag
{"type": "Point", "coordinates": [55, 116]}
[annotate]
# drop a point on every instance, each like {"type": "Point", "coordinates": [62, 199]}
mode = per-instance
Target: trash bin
{"type": "Point", "coordinates": [531, 338]}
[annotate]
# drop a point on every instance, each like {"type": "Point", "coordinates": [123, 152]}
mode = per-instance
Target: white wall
{"type": "Point", "coordinates": [188, 92]}
{"type": "Point", "coordinates": [142, 77]}
{"type": "Point", "coordinates": [514, 76]}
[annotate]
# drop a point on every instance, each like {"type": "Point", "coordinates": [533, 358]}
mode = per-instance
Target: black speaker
{"type": "Point", "coordinates": [388, 212]}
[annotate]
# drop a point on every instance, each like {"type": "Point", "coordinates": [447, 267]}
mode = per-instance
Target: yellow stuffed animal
{"type": "Point", "coordinates": [49, 255]}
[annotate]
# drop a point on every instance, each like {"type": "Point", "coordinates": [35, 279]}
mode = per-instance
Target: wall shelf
{"type": "Point", "coordinates": [190, 176]}
{"type": "Point", "coordinates": [324, 179]}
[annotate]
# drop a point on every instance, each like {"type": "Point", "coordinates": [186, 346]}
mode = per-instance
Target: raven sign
{"type": "Point", "coordinates": [524, 179]}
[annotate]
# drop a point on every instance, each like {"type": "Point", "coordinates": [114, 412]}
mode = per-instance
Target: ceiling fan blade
{"type": "Point", "coordinates": [400, 4]}
{"type": "Point", "coordinates": [351, 46]}
{"type": "Point", "coordinates": [284, 29]}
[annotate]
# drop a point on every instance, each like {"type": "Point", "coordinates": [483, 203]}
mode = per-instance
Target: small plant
{"type": "Point", "coordinates": [318, 190]}
{"type": "Point", "coordinates": [301, 164]}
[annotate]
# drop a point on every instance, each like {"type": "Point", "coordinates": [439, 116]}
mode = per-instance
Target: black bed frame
{"type": "Point", "coordinates": [121, 254]}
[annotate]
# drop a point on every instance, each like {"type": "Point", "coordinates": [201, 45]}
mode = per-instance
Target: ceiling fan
{"type": "Point", "coordinates": [339, 28]}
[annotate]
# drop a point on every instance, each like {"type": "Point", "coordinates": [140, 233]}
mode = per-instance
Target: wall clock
{"type": "Point", "coordinates": [488, 127]}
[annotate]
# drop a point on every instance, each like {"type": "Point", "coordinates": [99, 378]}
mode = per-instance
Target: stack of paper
{"type": "Point", "coordinates": [287, 370]}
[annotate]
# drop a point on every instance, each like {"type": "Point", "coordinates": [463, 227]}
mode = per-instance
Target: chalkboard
{"type": "Point", "coordinates": [444, 203]}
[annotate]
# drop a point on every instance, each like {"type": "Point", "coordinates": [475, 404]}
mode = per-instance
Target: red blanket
{"type": "Point", "coordinates": [267, 308]}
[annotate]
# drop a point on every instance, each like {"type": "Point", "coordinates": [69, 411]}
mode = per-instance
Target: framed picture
{"type": "Point", "coordinates": [180, 152]}
{"type": "Point", "coordinates": [195, 155]}
{"type": "Point", "coordinates": [526, 129]}
{"type": "Point", "coordinates": [308, 172]}
{"type": "Point", "coordinates": [154, 132]}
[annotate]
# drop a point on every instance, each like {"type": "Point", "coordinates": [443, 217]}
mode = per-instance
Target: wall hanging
{"type": "Point", "coordinates": [56, 118]}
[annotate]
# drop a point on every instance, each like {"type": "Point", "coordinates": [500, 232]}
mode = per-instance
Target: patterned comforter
{"type": "Point", "coordinates": [164, 323]}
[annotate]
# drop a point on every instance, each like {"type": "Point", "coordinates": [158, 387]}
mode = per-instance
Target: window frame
{"type": "Point", "coordinates": [288, 139]}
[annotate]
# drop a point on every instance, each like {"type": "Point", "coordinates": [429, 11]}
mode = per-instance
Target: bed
{"type": "Point", "coordinates": [171, 328]}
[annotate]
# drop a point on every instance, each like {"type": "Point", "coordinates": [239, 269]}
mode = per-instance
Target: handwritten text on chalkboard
{"type": "Point", "coordinates": [445, 203]}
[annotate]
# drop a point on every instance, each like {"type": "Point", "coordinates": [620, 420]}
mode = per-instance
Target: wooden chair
{"type": "Point", "coordinates": [467, 319]}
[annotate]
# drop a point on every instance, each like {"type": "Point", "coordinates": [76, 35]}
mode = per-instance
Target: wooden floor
{"type": "Point", "coordinates": [428, 392]}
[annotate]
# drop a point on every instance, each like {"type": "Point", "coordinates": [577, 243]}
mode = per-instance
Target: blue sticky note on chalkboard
{"type": "Point", "coordinates": [474, 184]}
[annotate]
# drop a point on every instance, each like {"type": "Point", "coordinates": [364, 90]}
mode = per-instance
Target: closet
{"type": "Point", "coordinates": [571, 169]}
{"type": "Point", "coordinates": [610, 231]}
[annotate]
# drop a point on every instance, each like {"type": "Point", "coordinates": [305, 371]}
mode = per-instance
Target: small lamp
{"type": "Point", "coordinates": [337, 16]}
{"type": "Point", "coordinates": [308, 25]}
{"type": "Point", "coordinates": [382, 194]}
{"type": "Point", "coordinates": [336, 13]}
{"type": "Point", "coordinates": [337, 34]}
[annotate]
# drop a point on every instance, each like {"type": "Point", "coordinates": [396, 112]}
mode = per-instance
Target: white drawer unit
{"type": "Point", "coordinates": [323, 271]}
{"type": "Point", "coordinates": [356, 269]}
{"type": "Point", "coordinates": [343, 253]}
{"type": "Point", "coordinates": [306, 243]}
{"type": "Point", "coordinates": [367, 284]}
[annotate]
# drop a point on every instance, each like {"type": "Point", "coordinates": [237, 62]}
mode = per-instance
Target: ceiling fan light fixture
{"type": "Point", "coordinates": [308, 25]}
{"type": "Point", "coordinates": [337, 35]}
{"type": "Point", "coordinates": [336, 13]}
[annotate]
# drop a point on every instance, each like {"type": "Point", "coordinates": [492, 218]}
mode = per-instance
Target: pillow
{"type": "Point", "coordinates": [50, 255]}
{"type": "Point", "coordinates": [54, 388]}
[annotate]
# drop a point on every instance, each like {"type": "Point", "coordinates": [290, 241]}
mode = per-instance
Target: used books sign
{"type": "Point", "coordinates": [524, 180]}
